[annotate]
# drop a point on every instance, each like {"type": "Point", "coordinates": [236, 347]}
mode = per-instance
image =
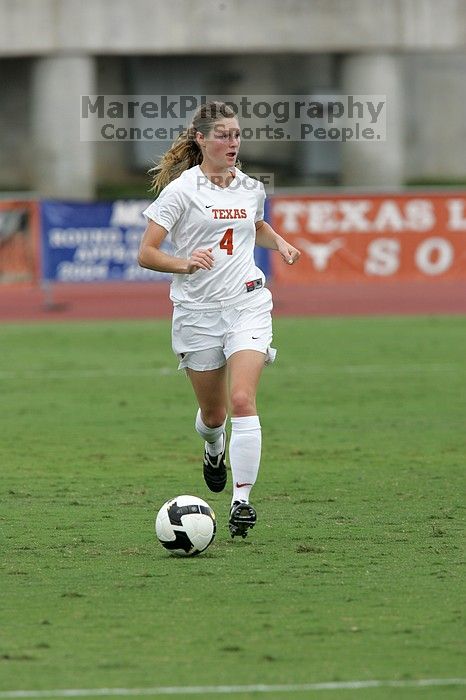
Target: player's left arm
{"type": "Point", "coordinates": [266, 237]}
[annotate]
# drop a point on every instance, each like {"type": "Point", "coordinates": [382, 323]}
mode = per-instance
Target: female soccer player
{"type": "Point", "coordinates": [222, 327]}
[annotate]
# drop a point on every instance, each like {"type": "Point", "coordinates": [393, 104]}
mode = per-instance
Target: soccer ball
{"type": "Point", "coordinates": [185, 525]}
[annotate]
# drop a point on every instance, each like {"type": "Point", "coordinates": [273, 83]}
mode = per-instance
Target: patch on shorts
{"type": "Point", "coordinates": [253, 284]}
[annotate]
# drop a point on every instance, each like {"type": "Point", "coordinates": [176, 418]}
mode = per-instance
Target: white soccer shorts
{"type": "Point", "coordinates": [205, 339]}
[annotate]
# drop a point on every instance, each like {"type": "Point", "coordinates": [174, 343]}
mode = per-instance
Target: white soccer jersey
{"type": "Point", "coordinates": [199, 214]}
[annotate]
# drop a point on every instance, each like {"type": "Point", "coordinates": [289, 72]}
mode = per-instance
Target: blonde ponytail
{"type": "Point", "coordinates": [184, 153]}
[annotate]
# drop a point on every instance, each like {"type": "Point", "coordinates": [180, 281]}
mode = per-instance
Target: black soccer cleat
{"type": "Point", "coordinates": [242, 517]}
{"type": "Point", "coordinates": [215, 470]}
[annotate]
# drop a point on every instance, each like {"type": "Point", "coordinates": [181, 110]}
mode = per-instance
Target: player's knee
{"type": "Point", "coordinates": [213, 417]}
{"type": "Point", "coordinates": [242, 403]}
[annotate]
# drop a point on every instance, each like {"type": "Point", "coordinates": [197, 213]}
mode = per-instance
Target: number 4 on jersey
{"type": "Point", "coordinates": [227, 241]}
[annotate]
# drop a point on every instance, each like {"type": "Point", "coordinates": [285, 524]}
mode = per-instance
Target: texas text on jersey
{"type": "Point", "coordinates": [222, 219]}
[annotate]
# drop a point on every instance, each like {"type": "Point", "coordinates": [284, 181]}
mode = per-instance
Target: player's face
{"type": "Point", "coordinates": [220, 148]}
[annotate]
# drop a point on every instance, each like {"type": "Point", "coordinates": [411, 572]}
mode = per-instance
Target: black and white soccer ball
{"type": "Point", "coordinates": [185, 526]}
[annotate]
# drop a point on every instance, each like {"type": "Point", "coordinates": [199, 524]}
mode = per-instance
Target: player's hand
{"type": "Point", "coordinates": [201, 259]}
{"type": "Point", "coordinates": [289, 253]}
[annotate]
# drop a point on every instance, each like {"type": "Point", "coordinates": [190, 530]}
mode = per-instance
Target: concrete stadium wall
{"type": "Point", "coordinates": [51, 51]}
{"type": "Point", "coordinates": [40, 27]}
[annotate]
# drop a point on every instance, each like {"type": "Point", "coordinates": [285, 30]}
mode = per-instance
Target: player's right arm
{"type": "Point", "coordinates": [151, 257]}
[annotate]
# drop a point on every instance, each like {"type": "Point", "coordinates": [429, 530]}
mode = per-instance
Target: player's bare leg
{"type": "Point", "coordinates": [245, 368]}
{"type": "Point", "coordinates": [210, 388]}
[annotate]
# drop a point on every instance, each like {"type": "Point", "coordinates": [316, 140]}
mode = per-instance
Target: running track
{"type": "Point", "coordinates": [108, 300]}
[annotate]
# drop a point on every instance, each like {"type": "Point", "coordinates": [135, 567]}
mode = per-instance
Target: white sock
{"type": "Point", "coordinates": [213, 437]}
{"type": "Point", "coordinates": [245, 455]}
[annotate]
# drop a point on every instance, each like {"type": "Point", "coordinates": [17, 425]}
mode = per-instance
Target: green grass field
{"type": "Point", "coordinates": [353, 571]}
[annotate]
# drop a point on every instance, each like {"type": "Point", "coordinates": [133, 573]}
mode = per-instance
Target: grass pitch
{"type": "Point", "coordinates": [353, 571]}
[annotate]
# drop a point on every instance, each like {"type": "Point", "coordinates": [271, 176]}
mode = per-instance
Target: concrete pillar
{"type": "Point", "coordinates": [63, 166]}
{"type": "Point", "coordinates": [379, 164]}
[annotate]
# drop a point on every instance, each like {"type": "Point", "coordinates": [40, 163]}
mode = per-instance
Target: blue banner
{"type": "Point", "coordinates": [93, 242]}
{"type": "Point", "coordinates": [99, 241]}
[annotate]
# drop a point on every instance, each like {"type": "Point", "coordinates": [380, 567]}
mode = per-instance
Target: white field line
{"type": "Point", "coordinates": [101, 372]}
{"type": "Point", "coordinates": [231, 689]}
{"type": "Point", "coordinates": [402, 369]}
{"type": "Point", "coordinates": [41, 374]}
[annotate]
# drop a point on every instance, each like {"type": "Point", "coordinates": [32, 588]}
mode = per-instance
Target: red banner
{"type": "Point", "coordinates": [19, 242]}
{"type": "Point", "coordinates": [367, 237]}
